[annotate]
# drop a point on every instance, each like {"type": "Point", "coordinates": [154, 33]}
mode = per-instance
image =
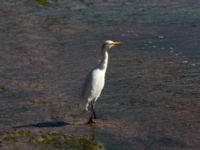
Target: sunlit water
{"type": "Point", "coordinates": [152, 92]}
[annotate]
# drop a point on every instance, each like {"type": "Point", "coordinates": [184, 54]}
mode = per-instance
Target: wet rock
{"type": "Point", "coordinates": [185, 61]}
{"type": "Point", "coordinates": [154, 46]}
{"type": "Point", "coordinates": [193, 65]}
{"type": "Point", "coordinates": [161, 37]}
{"type": "Point", "coordinates": [2, 88]}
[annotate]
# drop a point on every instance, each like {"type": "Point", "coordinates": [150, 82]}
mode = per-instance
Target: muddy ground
{"type": "Point", "coordinates": [152, 92]}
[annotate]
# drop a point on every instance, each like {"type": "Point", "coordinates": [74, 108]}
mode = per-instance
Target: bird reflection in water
{"type": "Point", "coordinates": [95, 144]}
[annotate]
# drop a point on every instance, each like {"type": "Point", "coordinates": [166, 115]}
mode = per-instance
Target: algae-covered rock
{"type": "Point", "coordinates": [2, 88]}
{"type": "Point", "coordinates": [53, 139]}
{"type": "Point", "coordinates": [83, 143]}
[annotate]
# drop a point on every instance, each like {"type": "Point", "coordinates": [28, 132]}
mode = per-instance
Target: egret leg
{"type": "Point", "coordinates": [93, 111]}
{"type": "Point", "coordinates": [93, 116]}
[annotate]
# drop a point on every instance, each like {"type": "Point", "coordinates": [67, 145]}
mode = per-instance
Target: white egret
{"type": "Point", "coordinates": [95, 80]}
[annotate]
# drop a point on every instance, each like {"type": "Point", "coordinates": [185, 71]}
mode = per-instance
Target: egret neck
{"type": "Point", "coordinates": [104, 59]}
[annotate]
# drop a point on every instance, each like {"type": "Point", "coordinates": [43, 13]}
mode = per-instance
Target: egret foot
{"type": "Point", "coordinates": [91, 121]}
{"type": "Point", "coordinates": [95, 117]}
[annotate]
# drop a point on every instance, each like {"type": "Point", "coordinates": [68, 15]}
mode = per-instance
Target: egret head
{"type": "Point", "coordinates": [108, 44]}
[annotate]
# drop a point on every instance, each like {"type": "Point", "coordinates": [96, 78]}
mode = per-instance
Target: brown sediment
{"type": "Point", "coordinates": [150, 100]}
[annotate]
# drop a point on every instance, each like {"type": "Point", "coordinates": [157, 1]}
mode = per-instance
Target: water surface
{"type": "Point", "coordinates": [152, 92]}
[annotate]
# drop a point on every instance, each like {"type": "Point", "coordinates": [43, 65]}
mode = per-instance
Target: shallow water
{"type": "Point", "coordinates": [152, 92]}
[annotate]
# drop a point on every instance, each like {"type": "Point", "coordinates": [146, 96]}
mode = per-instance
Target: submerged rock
{"type": "Point", "coordinates": [2, 88]}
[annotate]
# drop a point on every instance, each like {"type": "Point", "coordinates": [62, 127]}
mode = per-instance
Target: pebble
{"type": "Point", "coordinates": [177, 54]}
{"type": "Point", "coordinates": [161, 37]}
{"type": "Point", "coordinates": [185, 61]}
{"type": "Point", "coordinates": [162, 48]}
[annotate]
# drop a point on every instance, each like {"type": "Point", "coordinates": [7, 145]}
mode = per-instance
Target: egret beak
{"type": "Point", "coordinates": [117, 43]}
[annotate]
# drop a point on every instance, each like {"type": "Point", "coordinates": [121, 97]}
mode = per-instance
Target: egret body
{"type": "Point", "coordinates": [95, 80]}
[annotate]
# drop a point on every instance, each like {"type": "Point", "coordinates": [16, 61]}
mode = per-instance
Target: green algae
{"type": "Point", "coordinates": [24, 132]}
{"type": "Point", "coordinates": [47, 140]}
{"type": "Point", "coordinates": [11, 138]}
{"type": "Point", "coordinates": [54, 139]}
{"type": "Point", "coordinates": [46, 2]}
{"type": "Point", "coordinates": [83, 142]}
{"type": "Point", "coordinates": [42, 2]}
